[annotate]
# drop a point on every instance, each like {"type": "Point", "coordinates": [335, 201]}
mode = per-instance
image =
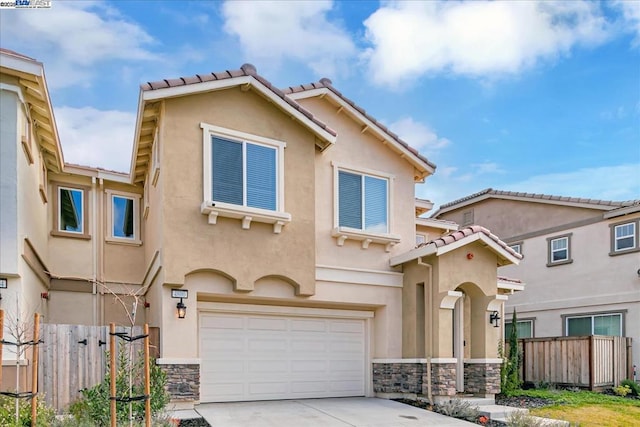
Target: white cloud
{"type": "Point", "coordinates": [71, 38]}
{"type": "Point", "coordinates": [619, 182]}
{"type": "Point", "coordinates": [418, 135]}
{"type": "Point", "coordinates": [272, 31]}
{"type": "Point", "coordinates": [98, 138]}
{"type": "Point", "coordinates": [477, 39]}
{"type": "Point", "coordinates": [631, 16]}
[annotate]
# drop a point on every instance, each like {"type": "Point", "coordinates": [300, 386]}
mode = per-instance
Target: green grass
{"type": "Point", "coordinates": [585, 408]}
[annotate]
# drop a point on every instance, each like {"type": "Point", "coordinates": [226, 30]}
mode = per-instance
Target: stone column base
{"type": "Point", "coordinates": [443, 379]}
{"type": "Point", "coordinates": [482, 377]}
{"type": "Point", "coordinates": [408, 378]}
{"type": "Point", "coordinates": [183, 382]}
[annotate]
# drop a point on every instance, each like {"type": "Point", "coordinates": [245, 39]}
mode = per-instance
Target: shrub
{"type": "Point", "coordinates": [510, 369]}
{"type": "Point", "coordinates": [522, 419]}
{"type": "Point", "coordinates": [622, 390]}
{"type": "Point", "coordinates": [94, 405]}
{"type": "Point", "coordinates": [634, 386]}
{"type": "Point", "coordinates": [45, 414]}
{"type": "Point", "coordinates": [458, 409]}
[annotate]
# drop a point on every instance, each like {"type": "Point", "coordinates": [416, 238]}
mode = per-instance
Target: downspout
{"type": "Point", "coordinates": [100, 255]}
{"type": "Point", "coordinates": [428, 343]}
{"type": "Point", "coordinates": [94, 251]}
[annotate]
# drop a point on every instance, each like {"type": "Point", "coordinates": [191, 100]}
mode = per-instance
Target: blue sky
{"type": "Point", "coordinates": [522, 96]}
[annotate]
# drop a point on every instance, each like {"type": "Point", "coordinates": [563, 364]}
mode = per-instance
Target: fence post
{"type": "Point", "coordinates": [112, 357]}
{"type": "Point", "coordinates": [1, 338]}
{"type": "Point", "coordinates": [34, 369]}
{"type": "Point", "coordinates": [591, 363]}
{"type": "Point", "coordinates": [147, 378]}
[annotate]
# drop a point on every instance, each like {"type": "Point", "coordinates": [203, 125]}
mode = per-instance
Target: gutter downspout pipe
{"type": "Point", "coordinates": [429, 331]}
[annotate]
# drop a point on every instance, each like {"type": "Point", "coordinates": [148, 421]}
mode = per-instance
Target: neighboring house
{"type": "Point", "coordinates": [581, 260]}
{"type": "Point", "coordinates": [272, 235]}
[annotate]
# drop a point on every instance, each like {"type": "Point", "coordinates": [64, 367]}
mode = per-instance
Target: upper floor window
{"type": "Point", "coordinates": [517, 247]}
{"type": "Point", "coordinates": [70, 211]}
{"type": "Point", "coordinates": [243, 177]}
{"type": "Point", "coordinates": [123, 217]}
{"type": "Point", "coordinates": [624, 238]}
{"type": "Point", "coordinates": [363, 202]}
{"type": "Point", "coordinates": [467, 217]}
{"type": "Point", "coordinates": [595, 324]}
{"type": "Point", "coordinates": [559, 250]}
{"type": "Point", "coordinates": [420, 239]}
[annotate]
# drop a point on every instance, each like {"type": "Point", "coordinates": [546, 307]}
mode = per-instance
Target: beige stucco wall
{"type": "Point", "coordinates": [358, 150]}
{"type": "Point", "coordinates": [510, 218]}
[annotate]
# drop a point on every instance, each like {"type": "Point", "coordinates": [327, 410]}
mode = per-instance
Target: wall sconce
{"type": "Point", "coordinates": [494, 318]}
{"type": "Point", "coordinates": [3, 284]}
{"type": "Point", "coordinates": [180, 307]}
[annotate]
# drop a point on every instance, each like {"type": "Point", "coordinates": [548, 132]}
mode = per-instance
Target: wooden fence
{"type": "Point", "coordinates": [72, 358]}
{"type": "Point", "coordinates": [592, 362]}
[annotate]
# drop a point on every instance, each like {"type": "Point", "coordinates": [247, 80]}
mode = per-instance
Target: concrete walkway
{"type": "Point", "coordinates": [333, 412]}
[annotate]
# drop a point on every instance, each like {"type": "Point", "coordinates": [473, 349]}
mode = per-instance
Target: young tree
{"type": "Point", "coordinates": [510, 373]}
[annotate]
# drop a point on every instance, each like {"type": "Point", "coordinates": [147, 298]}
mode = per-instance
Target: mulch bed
{"type": "Point", "coordinates": [194, 422]}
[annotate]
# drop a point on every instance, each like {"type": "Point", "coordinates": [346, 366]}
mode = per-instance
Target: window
{"type": "Point", "coordinates": [524, 329]}
{"type": "Point", "coordinates": [363, 202]}
{"type": "Point", "coordinates": [596, 324]}
{"type": "Point", "coordinates": [70, 207]}
{"type": "Point", "coordinates": [517, 248]}
{"type": "Point", "coordinates": [420, 239]}
{"type": "Point", "coordinates": [624, 238]}
{"type": "Point", "coordinates": [559, 250]}
{"type": "Point", "coordinates": [243, 177]}
{"type": "Point", "coordinates": [123, 217]}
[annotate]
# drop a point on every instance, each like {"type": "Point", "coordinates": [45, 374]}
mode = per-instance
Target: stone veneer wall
{"type": "Point", "coordinates": [397, 377]}
{"type": "Point", "coordinates": [443, 379]}
{"type": "Point", "coordinates": [183, 382]}
{"type": "Point", "coordinates": [482, 378]}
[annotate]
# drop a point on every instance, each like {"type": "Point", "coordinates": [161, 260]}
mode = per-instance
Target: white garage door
{"type": "Point", "coordinates": [266, 357]}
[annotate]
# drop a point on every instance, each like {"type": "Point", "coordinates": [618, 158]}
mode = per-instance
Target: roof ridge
{"type": "Point", "coordinates": [328, 84]}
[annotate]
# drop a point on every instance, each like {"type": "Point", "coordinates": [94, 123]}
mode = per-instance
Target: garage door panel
{"type": "Point", "coordinates": [280, 357]}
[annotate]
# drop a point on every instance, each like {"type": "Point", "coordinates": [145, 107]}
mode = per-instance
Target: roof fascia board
{"type": "Point", "coordinates": [416, 253]}
{"type": "Point", "coordinates": [21, 64]}
{"type": "Point", "coordinates": [136, 137]}
{"type": "Point", "coordinates": [97, 173]}
{"type": "Point", "coordinates": [416, 162]}
{"type": "Point", "coordinates": [621, 211]}
{"type": "Point", "coordinates": [430, 222]}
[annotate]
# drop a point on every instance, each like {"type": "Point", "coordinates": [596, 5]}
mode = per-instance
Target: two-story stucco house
{"type": "Point", "coordinates": [581, 260]}
{"type": "Point", "coordinates": [272, 235]}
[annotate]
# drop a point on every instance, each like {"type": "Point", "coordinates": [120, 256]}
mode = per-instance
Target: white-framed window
{"type": "Point", "coordinates": [123, 218]}
{"type": "Point", "coordinates": [594, 324]}
{"type": "Point", "coordinates": [70, 211]}
{"type": "Point", "coordinates": [559, 251]}
{"type": "Point", "coordinates": [362, 206]}
{"type": "Point", "coordinates": [243, 177]}
{"type": "Point", "coordinates": [524, 328]}
{"type": "Point", "coordinates": [517, 247]}
{"type": "Point", "coordinates": [363, 202]}
{"type": "Point", "coordinates": [624, 236]}
{"type": "Point", "coordinates": [420, 239]}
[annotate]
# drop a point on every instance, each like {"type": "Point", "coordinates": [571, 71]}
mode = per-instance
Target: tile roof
{"type": "Point", "coordinates": [245, 70]}
{"type": "Point", "coordinates": [537, 196]}
{"type": "Point", "coordinates": [455, 236]}
{"type": "Point", "coordinates": [326, 83]}
{"type": "Point", "coordinates": [510, 280]}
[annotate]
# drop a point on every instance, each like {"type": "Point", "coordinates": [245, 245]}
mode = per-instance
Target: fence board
{"type": "Point", "coordinates": [590, 362]}
{"type": "Point", "coordinates": [68, 366]}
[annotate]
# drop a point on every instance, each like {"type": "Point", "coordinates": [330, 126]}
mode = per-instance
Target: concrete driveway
{"type": "Point", "coordinates": [337, 412]}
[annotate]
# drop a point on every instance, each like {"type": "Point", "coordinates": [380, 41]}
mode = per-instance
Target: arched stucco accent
{"type": "Point", "coordinates": [210, 280]}
{"type": "Point", "coordinates": [471, 289]}
{"type": "Point", "coordinates": [276, 285]}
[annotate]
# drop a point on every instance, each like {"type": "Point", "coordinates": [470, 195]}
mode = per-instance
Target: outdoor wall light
{"type": "Point", "coordinates": [181, 307]}
{"type": "Point", "coordinates": [494, 318]}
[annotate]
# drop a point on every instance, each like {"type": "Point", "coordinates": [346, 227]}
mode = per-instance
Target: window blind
{"type": "Point", "coordinates": [350, 200]}
{"type": "Point", "coordinates": [226, 171]}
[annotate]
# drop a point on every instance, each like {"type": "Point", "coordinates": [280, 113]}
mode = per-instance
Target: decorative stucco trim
{"type": "Point", "coordinates": [359, 276]}
{"type": "Point", "coordinates": [444, 360]}
{"type": "Point", "coordinates": [484, 361]}
{"type": "Point", "coordinates": [449, 299]}
{"type": "Point", "coordinates": [399, 361]}
{"type": "Point", "coordinates": [496, 303]}
{"type": "Point", "coordinates": [205, 306]}
{"type": "Point", "coordinates": [177, 361]}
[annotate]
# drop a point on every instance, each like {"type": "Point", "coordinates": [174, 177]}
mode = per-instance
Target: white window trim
{"type": "Point", "coordinates": [278, 218]}
{"type": "Point", "coordinates": [592, 317]}
{"type": "Point", "coordinates": [136, 240]}
{"type": "Point", "coordinates": [633, 235]}
{"type": "Point", "coordinates": [343, 233]}
{"type": "Point", "coordinates": [59, 213]}
{"type": "Point", "coordinates": [424, 236]}
{"type": "Point", "coordinates": [519, 245]}
{"type": "Point", "coordinates": [552, 251]}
